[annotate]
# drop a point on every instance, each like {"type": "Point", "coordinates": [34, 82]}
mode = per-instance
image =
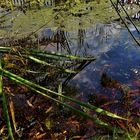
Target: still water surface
{"type": "Point", "coordinates": [117, 55]}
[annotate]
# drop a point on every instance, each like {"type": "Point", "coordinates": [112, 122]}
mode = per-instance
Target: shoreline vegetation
{"type": "Point", "coordinates": [37, 64]}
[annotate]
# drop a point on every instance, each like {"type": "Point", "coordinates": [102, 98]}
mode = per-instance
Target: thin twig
{"type": "Point", "coordinates": [125, 23]}
{"type": "Point", "coordinates": [129, 18]}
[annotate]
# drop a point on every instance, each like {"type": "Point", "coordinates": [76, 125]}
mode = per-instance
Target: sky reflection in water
{"type": "Point", "coordinates": [117, 55]}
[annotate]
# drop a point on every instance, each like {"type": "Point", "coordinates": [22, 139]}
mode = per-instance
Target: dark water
{"type": "Point", "coordinates": [117, 55]}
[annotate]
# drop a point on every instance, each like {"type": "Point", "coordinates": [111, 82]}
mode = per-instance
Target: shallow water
{"type": "Point", "coordinates": [117, 55]}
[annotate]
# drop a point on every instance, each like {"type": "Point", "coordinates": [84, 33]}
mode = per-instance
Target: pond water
{"type": "Point", "coordinates": [111, 82]}
{"type": "Point", "coordinates": [117, 55]}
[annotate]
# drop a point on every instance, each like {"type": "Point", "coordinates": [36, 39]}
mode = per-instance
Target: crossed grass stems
{"type": "Point", "coordinates": [34, 56]}
{"type": "Point", "coordinates": [67, 64]}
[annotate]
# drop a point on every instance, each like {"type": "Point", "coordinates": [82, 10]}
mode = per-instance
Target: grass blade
{"type": "Point", "coordinates": [37, 53]}
{"type": "Point", "coordinates": [89, 106]}
{"type": "Point", "coordinates": [48, 54]}
{"type": "Point", "coordinates": [45, 63]}
{"type": "Point", "coordinates": [85, 115]}
{"type": "Point", "coordinates": [5, 109]}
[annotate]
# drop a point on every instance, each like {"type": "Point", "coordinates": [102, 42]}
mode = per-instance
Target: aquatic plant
{"type": "Point", "coordinates": [31, 56]}
{"type": "Point", "coordinates": [22, 63]}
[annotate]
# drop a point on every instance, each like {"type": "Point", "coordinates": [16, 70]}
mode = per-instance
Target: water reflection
{"type": "Point", "coordinates": [90, 41]}
{"type": "Point", "coordinates": [118, 57]}
{"type": "Point", "coordinates": [116, 53]}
